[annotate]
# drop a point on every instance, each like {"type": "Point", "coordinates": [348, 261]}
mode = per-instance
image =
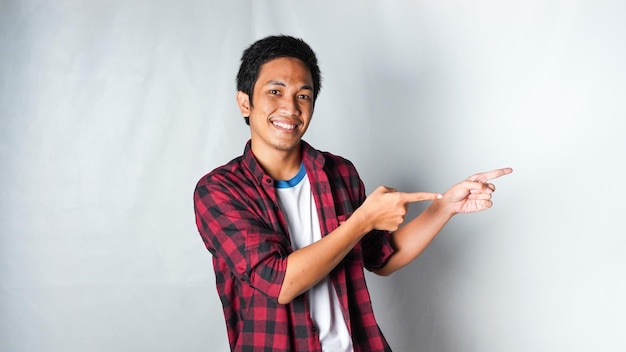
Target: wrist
{"type": "Point", "coordinates": [444, 208]}
{"type": "Point", "coordinates": [360, 221]}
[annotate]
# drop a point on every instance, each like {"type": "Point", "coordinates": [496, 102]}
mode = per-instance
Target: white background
{"type": "Point", "coordinates": [110, 111]}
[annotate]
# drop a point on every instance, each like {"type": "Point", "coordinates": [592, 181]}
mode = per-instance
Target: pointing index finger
{"type": "Point", "coordinates": [419, 196]}
{"type": "Point", "coordinates": [490, 175]}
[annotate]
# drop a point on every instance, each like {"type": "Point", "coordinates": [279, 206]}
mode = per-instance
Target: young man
{"type": "Point", "coordinates": [291, 229]}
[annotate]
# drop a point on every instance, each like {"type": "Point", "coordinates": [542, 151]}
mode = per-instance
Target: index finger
{"type": "Point", "coordinates": [418, 196]}
{"type": "Point", "coordinates": [490, 175]}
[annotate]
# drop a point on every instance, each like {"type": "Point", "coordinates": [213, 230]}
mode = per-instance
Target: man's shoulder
{"type": "Point", "coordinates": [334, 158]}
{"type": "Point", "coordinates": [329, 159]}
{"type": "Point", "coordinates": [232, 170]}
{"type": "Point", "coordinates": [334, 163]}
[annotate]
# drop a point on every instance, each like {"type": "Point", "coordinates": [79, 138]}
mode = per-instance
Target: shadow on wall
{"type": "Point", "coordinates": [420, 307]}
{"type": "Point", "coordinates": [415, 306]}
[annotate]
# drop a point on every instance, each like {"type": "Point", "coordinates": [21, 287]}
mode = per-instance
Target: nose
{"type": "Point", "coordinates": [290, 106]}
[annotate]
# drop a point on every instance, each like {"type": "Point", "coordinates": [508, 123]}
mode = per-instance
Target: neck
{"type": "Point", "coordinates": [280, 165]}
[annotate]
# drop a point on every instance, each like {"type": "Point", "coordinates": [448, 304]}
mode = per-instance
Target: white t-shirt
{"type": "Point", "coordinates": [296, 200]}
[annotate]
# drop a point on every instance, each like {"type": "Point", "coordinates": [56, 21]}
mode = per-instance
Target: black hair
{"type": "Point", "coordinates": [270, 48]}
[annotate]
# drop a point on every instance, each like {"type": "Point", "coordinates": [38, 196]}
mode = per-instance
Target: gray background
{"type": "Point", "coordinates": [110, 111]}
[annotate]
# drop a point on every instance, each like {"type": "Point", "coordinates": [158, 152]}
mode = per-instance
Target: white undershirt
{"type": "Point", "coordinates": [296, 200]}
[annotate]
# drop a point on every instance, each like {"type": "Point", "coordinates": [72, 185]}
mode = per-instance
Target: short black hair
{"type": "Point", "coordinates": [270, 48]}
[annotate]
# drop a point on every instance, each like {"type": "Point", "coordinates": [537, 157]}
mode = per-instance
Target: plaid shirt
{"type": "Point", "coordinates": [244, 229]}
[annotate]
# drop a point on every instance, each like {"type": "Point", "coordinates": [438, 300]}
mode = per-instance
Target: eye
{"type": "Point", "coordinates": [274, 91]}
{"type": "Point", "coordinates": [304, 97]}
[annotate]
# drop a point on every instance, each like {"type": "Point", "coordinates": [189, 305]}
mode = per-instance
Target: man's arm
{"type": "Point", "coordinates": [471, 195]}
{"type": "Point", "coordinates": [258, 255]}
{"type": "Point", "coordinates": [384, 209]}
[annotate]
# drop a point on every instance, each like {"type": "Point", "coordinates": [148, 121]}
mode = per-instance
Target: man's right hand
{"type": "Point", "coordinates": [385, 208]}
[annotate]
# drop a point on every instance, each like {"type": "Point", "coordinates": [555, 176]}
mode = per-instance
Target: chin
{"type": "Point", "coordinates": [285, 147]}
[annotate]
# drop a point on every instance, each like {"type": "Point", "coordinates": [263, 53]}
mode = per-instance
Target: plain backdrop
{"type": "Point", "coordinates": [110, 112]}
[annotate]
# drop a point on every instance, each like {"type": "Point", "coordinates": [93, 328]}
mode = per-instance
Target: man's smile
{"type": "Point", "coordinates": [285, 125]}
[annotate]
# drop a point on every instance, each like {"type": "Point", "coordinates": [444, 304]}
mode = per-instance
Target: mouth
{"type": "Point", "coordinates": [287, 126]}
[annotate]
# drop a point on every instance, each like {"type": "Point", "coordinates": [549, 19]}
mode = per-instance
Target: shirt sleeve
{"type": "Point", "coordinates": [377, 249]}
{"type": "Point", "coordinates": [239, 239]}
{"type": "Point", "coordinates": [376, 245]}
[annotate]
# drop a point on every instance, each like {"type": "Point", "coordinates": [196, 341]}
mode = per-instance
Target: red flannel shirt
{"type": "Point", "coordinates": [242, 226]}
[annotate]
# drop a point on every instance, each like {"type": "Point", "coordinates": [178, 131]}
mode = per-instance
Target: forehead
{"type": "Point", "coordinates": [286, 70]}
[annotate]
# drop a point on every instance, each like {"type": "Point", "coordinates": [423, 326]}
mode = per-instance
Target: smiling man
{"type": "Point", "coordinates": [290, 228]}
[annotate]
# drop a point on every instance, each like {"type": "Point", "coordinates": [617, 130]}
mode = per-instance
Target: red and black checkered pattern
{"type": "Point", "coordinates": [238, 217]}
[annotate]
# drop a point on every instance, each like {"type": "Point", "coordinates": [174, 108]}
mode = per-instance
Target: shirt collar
{"type": "Point", "coordinates": [311, 158]}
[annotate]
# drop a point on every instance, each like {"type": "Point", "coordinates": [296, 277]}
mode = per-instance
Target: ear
{"type": "Point", "coordinates": [243, 100]}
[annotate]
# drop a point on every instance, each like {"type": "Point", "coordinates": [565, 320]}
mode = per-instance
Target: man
{"type": "Point", "coordinates": [290, 228]}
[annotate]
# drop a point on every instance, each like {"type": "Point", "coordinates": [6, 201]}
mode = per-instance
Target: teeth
{"type": "Point", "coordinates": [284, 125]}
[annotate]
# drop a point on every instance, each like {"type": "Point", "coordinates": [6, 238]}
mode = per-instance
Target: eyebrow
{"type": "Point", "coordinates": [282, 84]}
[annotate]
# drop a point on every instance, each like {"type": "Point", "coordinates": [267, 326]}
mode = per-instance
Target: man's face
{"type": "Point", "coordinates": [283, 105]}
